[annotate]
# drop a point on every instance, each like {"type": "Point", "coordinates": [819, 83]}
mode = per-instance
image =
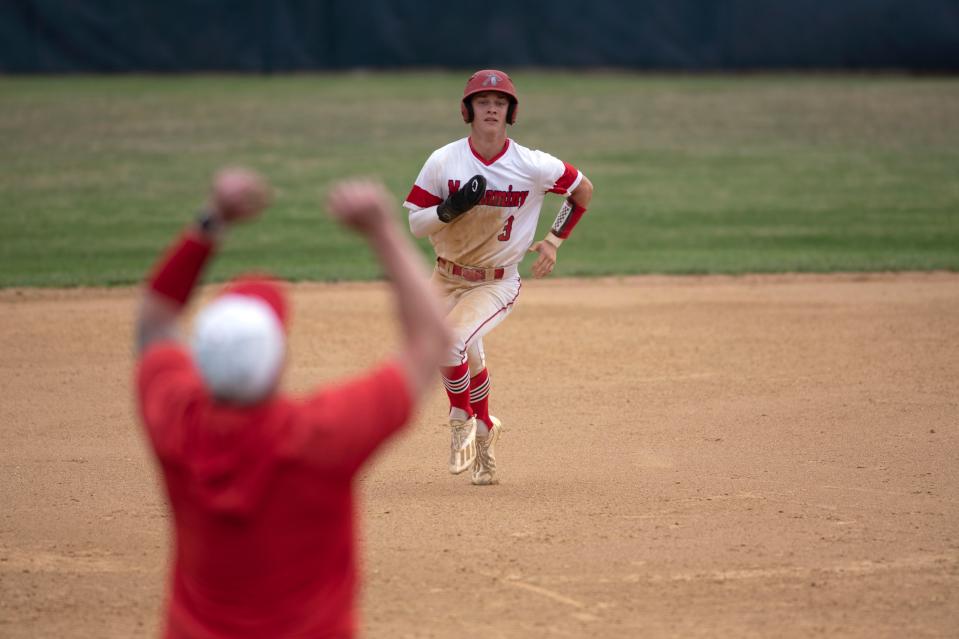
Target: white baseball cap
{"type": "Point", "coordinates": [239, 342]}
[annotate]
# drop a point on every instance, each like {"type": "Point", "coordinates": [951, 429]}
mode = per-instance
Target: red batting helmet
{"type": "Point", "coordinates": [489, 80]}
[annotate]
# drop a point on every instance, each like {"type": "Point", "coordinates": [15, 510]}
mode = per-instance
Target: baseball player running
{"type": "Point", "coordinates": [478, 199]}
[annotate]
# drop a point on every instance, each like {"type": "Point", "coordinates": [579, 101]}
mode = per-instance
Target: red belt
{"type": "Point", "coordinates": [471, 273]}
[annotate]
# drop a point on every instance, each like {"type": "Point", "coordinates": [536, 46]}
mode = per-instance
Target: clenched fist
{"type": "Point", "coordinates": [238, 194]}
{"type": "Point", "coordinates": [362, 205]}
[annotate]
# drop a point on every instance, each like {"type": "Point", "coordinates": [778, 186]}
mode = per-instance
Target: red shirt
{"type": "Point", "coordinates": [262, 498]}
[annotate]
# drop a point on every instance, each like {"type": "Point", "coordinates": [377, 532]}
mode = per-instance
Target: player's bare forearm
{"type": "Point", "coordinates": [583, 194]}
{"type": "Point", "coordinates": [548, 247]}
{"type": "Point", "coordinates": [170, 286]}
{"type": "Point", "coordinates": [426, 335]}
{"type": "Point", "coordinates": [365, 206]}
{"type": "Point", "coordinates": [156, 321]}
{"type": "Point", "coordinates": [235, 195]}
{"type": "Point", "coordinates": [580, 198]}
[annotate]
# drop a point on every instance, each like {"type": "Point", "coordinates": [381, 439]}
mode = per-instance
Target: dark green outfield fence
{"type": "Point", "coordinates": [288, 35]}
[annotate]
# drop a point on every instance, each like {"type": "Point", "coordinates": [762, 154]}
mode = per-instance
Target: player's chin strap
{"type": "Point", "coordinates": [567, 218]}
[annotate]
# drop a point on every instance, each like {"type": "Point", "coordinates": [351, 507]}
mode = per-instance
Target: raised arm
{"type": "Point", "coordinates": [235, 195]}
{"type": "Point", "coordinates": [569, 214]}
{"type": "Point", "coordinates": [366, 207]}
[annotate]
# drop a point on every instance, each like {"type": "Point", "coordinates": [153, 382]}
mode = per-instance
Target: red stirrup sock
{"type": "Point", "coordinates": [178, 270]}
{"type": "Point", "coordinates": [479, 396]}
{"type": "Point", "coordinates": [456, 379]}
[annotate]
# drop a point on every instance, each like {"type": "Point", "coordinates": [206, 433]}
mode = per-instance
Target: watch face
{"type": "Point", "coordinates": [207, 222]}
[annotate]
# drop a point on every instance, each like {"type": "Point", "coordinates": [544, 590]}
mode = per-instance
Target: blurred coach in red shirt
{"type": "Point", "coordinates": [260, 483]}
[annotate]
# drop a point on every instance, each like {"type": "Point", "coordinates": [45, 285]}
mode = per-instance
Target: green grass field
{"type": "Point", "coordinates": [693, 174]}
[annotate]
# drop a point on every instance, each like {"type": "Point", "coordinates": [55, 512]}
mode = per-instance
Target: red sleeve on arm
{"type": "Point", "coordinates": [422, 198]}
{"type": "Point", "coordinates": [176, 274]}
{"type": "Point", "coordinates": [342, 425]}
{"type": "Point", "coordinates": [565, 180]}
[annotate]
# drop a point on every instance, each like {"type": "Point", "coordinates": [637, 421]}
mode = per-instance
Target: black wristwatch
{"type": "Point", "coordinates": [209, 223]}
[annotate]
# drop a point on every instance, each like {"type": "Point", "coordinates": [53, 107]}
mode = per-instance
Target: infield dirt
{"type": "Point", "coordinates": [744, 457]}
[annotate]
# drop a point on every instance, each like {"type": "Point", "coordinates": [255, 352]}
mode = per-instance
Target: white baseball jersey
{"type": "Point", "coordinates": [500, 230]}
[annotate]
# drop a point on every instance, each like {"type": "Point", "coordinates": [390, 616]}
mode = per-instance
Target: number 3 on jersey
{"type": "Point", "coordinates": [507, 229]}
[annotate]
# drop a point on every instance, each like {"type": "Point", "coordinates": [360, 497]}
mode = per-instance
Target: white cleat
{"type": "Point", "coordinates": [462, 444]}
{"type": "Point", "coordinates": [484, 468]}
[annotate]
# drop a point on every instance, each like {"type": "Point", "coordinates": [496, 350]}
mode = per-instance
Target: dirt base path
{"type": "Point", "coordinates": [759, 456]}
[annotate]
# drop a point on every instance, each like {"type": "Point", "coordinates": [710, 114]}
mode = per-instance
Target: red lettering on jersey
{"type": "Point", "coordinates": [505, 199]}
